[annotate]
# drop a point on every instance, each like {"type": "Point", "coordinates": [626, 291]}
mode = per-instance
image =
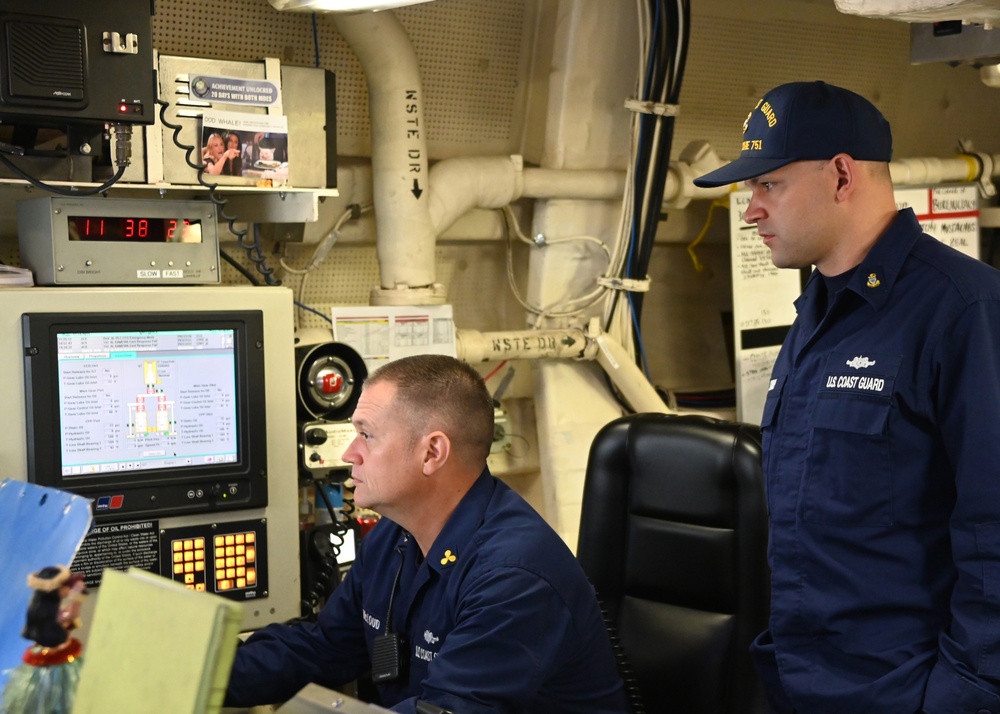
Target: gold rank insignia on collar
{"type": "Point", "coordinates": [873, 281]}
{"type": "Point", "coordinates": [449, 557]}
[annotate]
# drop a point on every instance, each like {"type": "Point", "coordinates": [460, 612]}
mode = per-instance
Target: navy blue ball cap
{"type": "Point", "coordinates": [802, 121]}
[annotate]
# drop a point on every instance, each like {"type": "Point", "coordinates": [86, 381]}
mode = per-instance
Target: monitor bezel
{"type": "Point", "coordinates": [43, 419]}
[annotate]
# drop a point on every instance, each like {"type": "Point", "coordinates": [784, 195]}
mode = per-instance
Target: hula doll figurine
{"type": "Point", "coordinates": [46, 679]}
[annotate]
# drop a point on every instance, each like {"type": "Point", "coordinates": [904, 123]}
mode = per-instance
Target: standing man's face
{"type": "Point", "coordinates": [791, 208]}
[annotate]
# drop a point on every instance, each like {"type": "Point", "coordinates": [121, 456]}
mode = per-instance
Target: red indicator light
{"type": "Point", "coordinates": [332, 382]}
{"type": "Point", "coordinates": [123, 108]}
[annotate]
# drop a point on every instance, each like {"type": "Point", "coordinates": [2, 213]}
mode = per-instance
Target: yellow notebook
{"type": "Point", "coordinates": [155, 646]}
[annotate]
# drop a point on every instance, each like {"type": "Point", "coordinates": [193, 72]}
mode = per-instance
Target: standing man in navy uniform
{"type": "Point", "coordinates": [881, 447]}
{"type": "Point", "coordinates": [461, 596]}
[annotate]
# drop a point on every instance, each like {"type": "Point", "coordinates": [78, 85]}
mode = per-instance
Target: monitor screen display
{"type": "Point", "coordinates": [148, 413]}
{"type": "Point", "coordinates": [146, 400]}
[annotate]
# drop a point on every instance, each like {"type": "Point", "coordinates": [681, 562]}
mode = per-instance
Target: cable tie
{"type": "Point", "coordinates": [632, 285]}
{"type": "Point", "coordinates": [642, 107]}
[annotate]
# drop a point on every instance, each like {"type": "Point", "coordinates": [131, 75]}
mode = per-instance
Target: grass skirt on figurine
{"type": "Point", "coordinates": [45, 682]}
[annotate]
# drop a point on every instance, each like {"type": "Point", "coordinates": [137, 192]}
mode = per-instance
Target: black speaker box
{"type": "Point", "coordinates": [76, 62]}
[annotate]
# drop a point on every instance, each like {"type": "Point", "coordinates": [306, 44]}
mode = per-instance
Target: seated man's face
{"type": "Point", "coordinates": [385, 456]}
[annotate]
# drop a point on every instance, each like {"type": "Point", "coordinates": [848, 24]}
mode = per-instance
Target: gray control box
{"type": "Point", "coordinates": [118, 241]}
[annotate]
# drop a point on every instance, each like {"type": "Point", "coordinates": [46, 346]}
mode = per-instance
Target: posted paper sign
{"type": "Point", "coordinates": [383, 333]}
{"type": "Point", "coordinates": [949, 213]}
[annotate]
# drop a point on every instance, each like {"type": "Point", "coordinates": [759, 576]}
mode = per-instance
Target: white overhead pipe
{"type": "Point", "coordinates": [557, 343]}
{"type": "Point", "coordinates": [405, 237]}
{"type": "Point", "coordinates": [592, 344]}
{"type": "Point", "coordinates": [458, 185]}
{"type": "Point", "coordinates": [699, 157]}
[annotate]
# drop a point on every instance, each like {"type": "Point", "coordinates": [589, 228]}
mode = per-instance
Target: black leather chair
{"type": "Point", "coordinates": [673, 535]}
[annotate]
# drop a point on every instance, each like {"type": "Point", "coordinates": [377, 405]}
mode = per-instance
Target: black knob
{"type": "Point", "coordinates": [315, 436]}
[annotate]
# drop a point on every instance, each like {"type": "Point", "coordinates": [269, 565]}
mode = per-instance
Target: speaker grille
{"type": "Point", "coordinates": [46, 60]}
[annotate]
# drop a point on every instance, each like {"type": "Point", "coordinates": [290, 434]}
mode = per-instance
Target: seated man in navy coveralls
{"type": "Point", "coordinates": [485, 604]}
{"type": "Point", "coordinates": [881, 453]}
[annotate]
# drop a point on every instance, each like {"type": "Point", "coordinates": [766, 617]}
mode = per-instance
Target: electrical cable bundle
{"type": "Point", "coordinates": [322, 249]}
{"type": "Point", "coordinates": [123, 155]}
{"type": "Point", "coordinates": [251, 246]}
{"type": "Point", "coordinates": [323, 546]}
{"type": "Point", "coordinates": [664, 27]}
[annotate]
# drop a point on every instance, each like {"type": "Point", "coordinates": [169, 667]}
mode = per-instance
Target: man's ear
{"type": "Point", "coordinates": [437, 450]}
{"type": "Point", "coordinates": [845, 169]}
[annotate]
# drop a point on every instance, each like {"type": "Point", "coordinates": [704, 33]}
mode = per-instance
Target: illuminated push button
{"type": "Point", "coordinates": [251, 554]}
{"type": "Point", "coordinates": [177, 545]}
{"type": "Point", "coordinates": [230, 550]}
{"type": "Point", "coordinates": [199, 543]}
{"type": "Point", "coordinates": [240, 549]}
{"type": "Point", "coordinates": [225, 585]}
{"type": "Point", "coordinates": [188, 556]}
{"type": "Point", "coordinates": [251, 537]}
{"type": "Point", "coordinates": [189, 578]}
{"type": "Point", "coordinates": [178, 557]}
{"type": "Point", "coordinates": [188, 545]}
{"type": "Point", "coordinates": [220, 552]}
{"type": "Point", "coordinates": [240, 560]}
{"type": "Point", "coordinates": [178, 568]}
{"type": "Point", "coordinates": [199, 567]}
{"type": "Point", "coordinates": [200, 587]}
{"type": "Point", "coordinates": [241, 583]}
{"type": "Point", "coordinates": [188, 567]}
{"type": "Point", "coordinates": [220, 540]}
{"type": "Point", "coordinates": [230, 573]}
{"type": "Point", "coordinates": [230, 539]}
{"type": "Point", "coordinates": [240, 572]}
{"type": "Point", "coordinates": [240, 538]}
{"type": "Point", "coordinates": [199, 555]}
{"type": "Point", "coordinates": [230, 562]}
{"type": "Point", "coordinates": [251, 576]}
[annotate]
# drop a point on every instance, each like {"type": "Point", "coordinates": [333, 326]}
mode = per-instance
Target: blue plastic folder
{"type": "Point", "coordinates": [39, 526]}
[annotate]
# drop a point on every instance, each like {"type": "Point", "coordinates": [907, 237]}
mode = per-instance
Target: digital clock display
{"type": "Point", "coordinates": [136, 229]}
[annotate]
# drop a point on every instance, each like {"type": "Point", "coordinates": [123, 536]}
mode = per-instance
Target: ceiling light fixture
{"type": "Point", "coordinates": [339, 5]}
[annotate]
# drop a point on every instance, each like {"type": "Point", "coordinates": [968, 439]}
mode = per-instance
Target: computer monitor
{"type": "Point", "coordinates": [148, 413]}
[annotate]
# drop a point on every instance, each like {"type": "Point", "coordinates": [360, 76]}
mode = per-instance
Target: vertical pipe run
{"type": "Point", "coordinates": [405, 244]}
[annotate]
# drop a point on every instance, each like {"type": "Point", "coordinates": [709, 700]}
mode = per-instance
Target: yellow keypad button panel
{"type": "Point", "coordinates": [235, 561]}
{"type": "Point", "coordinates": [223, 558]}
{"type": "Point", "coordinates": [188, 557]}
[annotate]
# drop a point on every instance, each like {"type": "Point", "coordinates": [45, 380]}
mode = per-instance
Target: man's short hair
{"type": "Point", "coordinates": [438, 392]}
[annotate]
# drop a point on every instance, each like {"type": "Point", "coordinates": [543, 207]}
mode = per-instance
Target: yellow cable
{"type": "Point", "coordinates": [722, 202]}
